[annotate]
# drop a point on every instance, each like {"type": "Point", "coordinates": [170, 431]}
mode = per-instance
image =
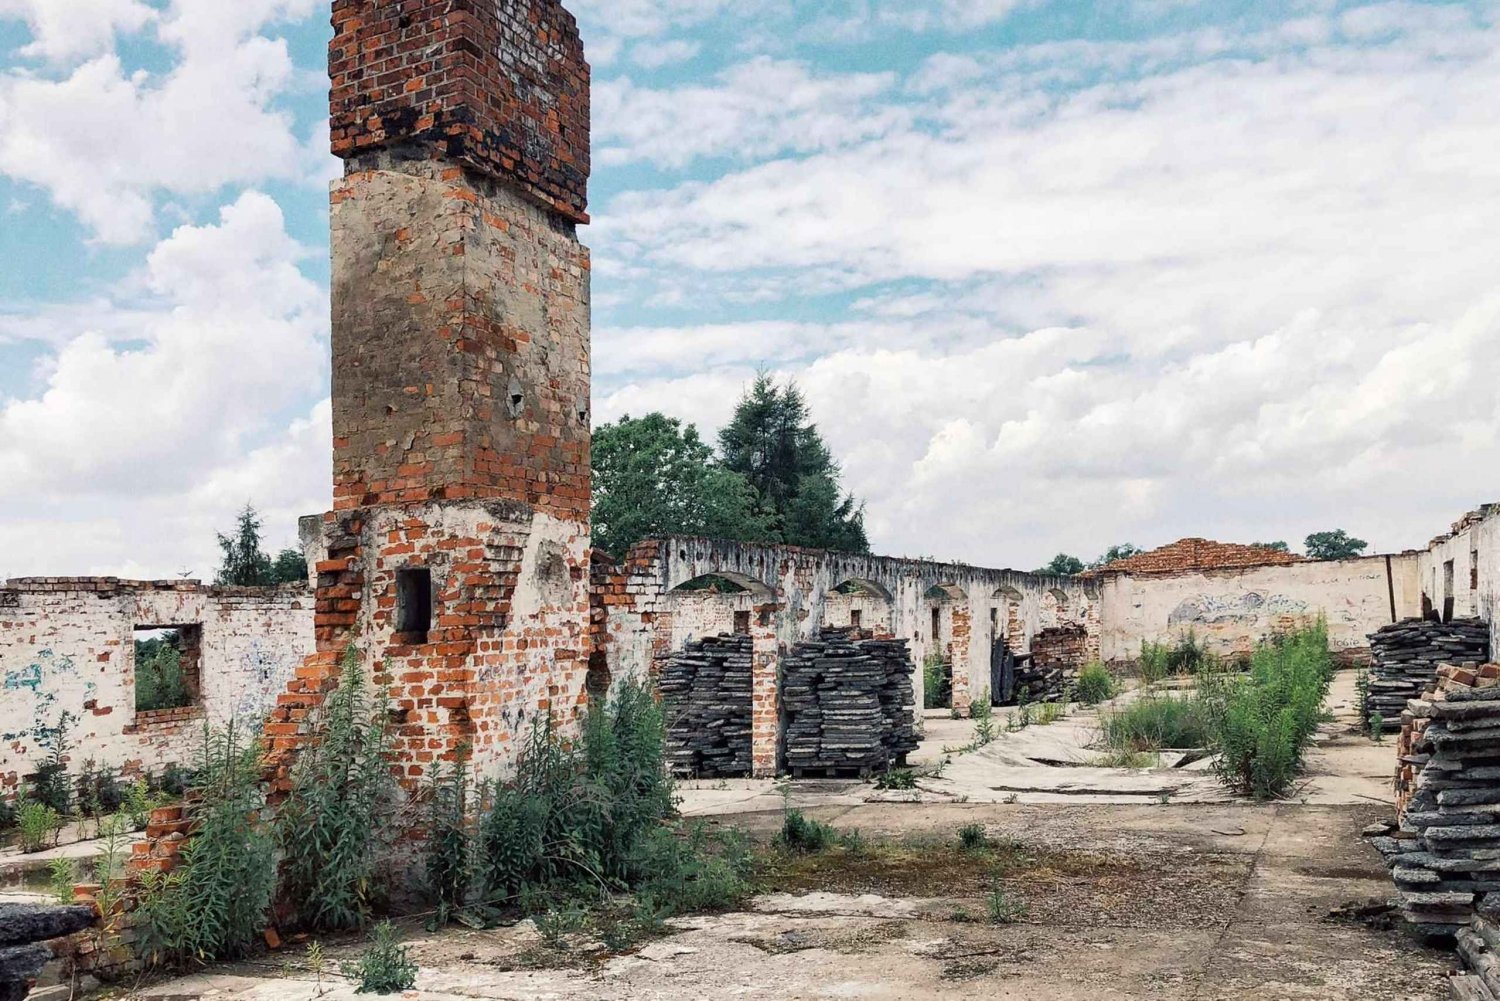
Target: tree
{"type": "Point", "coordinates": [244, 564]}
{"type": "Point", "coordinates": [1275, 547]}
{"type": "Point", "coordinates": [290, 567]}
{"type": "Point", "coordinates": [1063, 565]}
{"type": "Point", "coordinates": [774, 445]}
{"type": "Point", "coordinates": [1335, 545]}
{"type": "Point", "coordinates": [1118, 552]}
{"type": "Point", "coordinates": [653, 476]}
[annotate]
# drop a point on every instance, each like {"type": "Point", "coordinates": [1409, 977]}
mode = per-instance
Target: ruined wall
{"type": "Point", "coordinates": [67, 646]}
{"type": "Point", "coordinates": [1459, 573]}
{"type": "Point", "coordinates": [791, 594]}
{"type": "Point", "coordinates": [1232, 610]}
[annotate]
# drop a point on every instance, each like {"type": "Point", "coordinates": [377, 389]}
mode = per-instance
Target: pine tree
{"type": "Point", "coordinates": [773, 444]}
{"type": "Point", "coordinates": [244, 564]}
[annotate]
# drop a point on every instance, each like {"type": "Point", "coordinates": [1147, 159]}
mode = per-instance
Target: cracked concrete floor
{"type": "Point", "coordinates": [1198, 901]}
{"type": "Point", "coordinates": [1217, 902]}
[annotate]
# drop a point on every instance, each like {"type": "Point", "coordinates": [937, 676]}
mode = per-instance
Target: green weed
{"type": "Point", "coordinates": [1096, 684]}
{"type": "Point", "coordinates": [385, 967]}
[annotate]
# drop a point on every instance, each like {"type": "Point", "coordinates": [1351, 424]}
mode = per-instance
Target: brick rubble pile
{"type": "Point", "coordinates": [1406, 658]}
{"type": "Point", "coordinates": [849, 704]}
{"type": "Point", "coordinates": [1056, 656]}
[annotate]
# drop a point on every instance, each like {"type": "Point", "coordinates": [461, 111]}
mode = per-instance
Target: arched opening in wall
{"type": "Point", "coordinates": [717, 604]}
{"type": "Point", "coordinates": [553, 579]}
{"type": "Point", "coordinates": [1056, 605]}
{"type": "Point", "coordinates": [863, 605]}
{"type": "Point", "coordinates": [1007, 642]}
{"type": "Point", "coordinates": [947, 631]}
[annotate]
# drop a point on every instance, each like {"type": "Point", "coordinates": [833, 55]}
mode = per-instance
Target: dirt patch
{"type": "Point", "coordinates": [1058, 886]}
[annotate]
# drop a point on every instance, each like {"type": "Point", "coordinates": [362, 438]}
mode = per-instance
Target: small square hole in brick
{"type": "Point", "coordinates": [414, 603]}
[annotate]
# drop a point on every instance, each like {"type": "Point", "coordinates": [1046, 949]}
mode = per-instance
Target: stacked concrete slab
{"type": "Point", "coordinates": [705, 692]}
{"type": "Point", "coordinates": [1406, 657]}
{"type": "Point", "coordinates": [1444, 853]}
{"type": "Point", "coordinates": [848, 704]}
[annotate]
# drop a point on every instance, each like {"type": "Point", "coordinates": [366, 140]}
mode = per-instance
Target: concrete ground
{"type": "Point", "coordinates": [1125, 896]}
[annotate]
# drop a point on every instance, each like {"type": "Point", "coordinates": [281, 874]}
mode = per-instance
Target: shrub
{"type": "Point", "coordinates": [40, 827]}
{"type": "Point", "coordinates": [159, 679]}
{"type": "Point", "coordinates": [896, 778]}
{"type": "Point", "coordinates": [214, 904]}
{"type": "Point", "coordinates": [335, 819]}
{"type": "Point", "coordinates": [972, 838]}
{"type": "Point", "coordinates": [174, 781]}
{"type": "Point", "coordinates": [99, 792]}
{"type": "Point", "coordinates": [7, 814]}
{"type": "Point", "coordinates": [1261, 725]}
{"type": "Point", "coordinates": [580, 814]}
{"type": "Point", "coordinates": [450, 852]}
{"type": "Point", "coordinates": [1153, 663]}
{"type": "Point", "coordinates": [983, 715]}
{"type": "Point", "coordinates": [937, 682]}
{"type": "Point", "coordinates": [1155, 722]}
{"type": "Point", "coordinates": [1005, 909]}
{"type": "Point", "coordinates": [139, 802]}
{"type": "Point", "coordinates": [1096, 684]}
{"type": "Point", "coordinates": [385, 967]}
{"type": "Point", "coordinates": [1377, 728]}
{"type": "Point", "coordinates": [1188, 656]}
{"type": "Point", "coordinates": [694, 873]}
{"type": "Point", "coordinates": [800, 833]}
{"type": "Point", "coordinates": [62, 876]}
{"type": "Point", "coordinates": [1362, 699]}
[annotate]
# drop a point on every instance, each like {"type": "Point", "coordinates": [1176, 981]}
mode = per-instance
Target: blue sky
{"type": "Point", "coordinates": [1054, 275]}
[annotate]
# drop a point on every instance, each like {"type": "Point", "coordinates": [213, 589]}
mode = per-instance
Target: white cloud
{"type": "Point", "coordinates": [754, 109]}
{"type": "Point", "coordinates": [654, 55]}
{"type": "Point", "coordinates": [68, 29]}
{"type": "Point", "coordinates": [1239, 288]}
{"type": "Point", "coordinates": [105, 140]}
{"type": "Point", "coordinates": [170, 413]}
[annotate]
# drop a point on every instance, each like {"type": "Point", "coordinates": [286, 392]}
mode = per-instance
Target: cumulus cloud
{"type": "Point", "coordinates": [755, 109]}
{"type": "Point", "coordinates": [1235, 285]}
{"type": "Point", "coordinates": [76, 28]}
{"type": "Point", "coordinates": [188, 401]}
{"type": "Point", "coordinates": [105, 140]}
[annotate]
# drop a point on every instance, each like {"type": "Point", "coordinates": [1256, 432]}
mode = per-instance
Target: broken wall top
{"type": "Point", "coordinates": [500, 86]}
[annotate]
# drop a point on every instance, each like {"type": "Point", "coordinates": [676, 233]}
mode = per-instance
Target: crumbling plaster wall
{"type": "Point", "coordinates": [1232, 610]}
{"type": "Point", "coordinates": [1472, 547]}
{"type": "Point", "coordinates": [793, 595]}
{"type": "Point", "coordinates": [67, 646]}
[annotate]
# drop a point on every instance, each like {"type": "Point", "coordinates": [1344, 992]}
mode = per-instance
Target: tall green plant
{"type": "Point", "coordinates": [450, 839]}
{"type": "Point", "coordinates": [336, 819]}
{"type": "Point", "coordinates": [214, 904]}
{"type": "Point", "coordinates": [1261, 725]}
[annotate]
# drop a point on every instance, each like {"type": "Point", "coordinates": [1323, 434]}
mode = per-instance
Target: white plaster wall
{"type": "Point", "coordinates": [73, 651]}
{"type": "Point", "coordinates": [1234, 609]}
{"type": "Point", "coordinates": [698, 615]}
{"type": "Point", "coordinates": [1476, 547]}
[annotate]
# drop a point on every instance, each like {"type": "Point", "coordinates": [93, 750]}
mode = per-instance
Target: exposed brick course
{"type": "Point", "coordinates": [1198, 554]}
{"type": "Point", "coordinates": [498, 86]}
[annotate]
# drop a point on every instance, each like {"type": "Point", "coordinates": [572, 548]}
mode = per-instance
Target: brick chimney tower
{"type": "Point", "coordinates": [457, 551]}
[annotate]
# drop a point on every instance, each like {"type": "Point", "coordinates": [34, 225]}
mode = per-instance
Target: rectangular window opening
{"type": "Point", "coordinates": [414, 603]}
{"type": "Point", "coordinates": [856, 619]}
{"type": "Point", "coordinates": [1474, 570]}
{"type": "Point", "coordinates": [937, 626]}
{"type": "Point", "coordinates": [742, 623]}
{"type": "Point", "coordinates": [168, 667]}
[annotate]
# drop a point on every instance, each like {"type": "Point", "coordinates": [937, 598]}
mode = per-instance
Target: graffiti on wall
{"type": "Point", "coordinates": [24, 689]}
{"type": "Point", "coordinates": [1243, 610]}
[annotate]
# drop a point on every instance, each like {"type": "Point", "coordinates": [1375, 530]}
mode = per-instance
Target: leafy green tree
{"type": "Point", "coordinates": [653, 476]}
{"type": "Point", "coordinates": [290, 567]}
{"type": "Point", "coordinates": [772, 442]}
{"type": "Point", "coordinates": [1335, 545]}
{"type": "Point", "coordinates": [1275, 547]}
{"type": "Point", "coordinates": [244, 564]}
{"type": "Point", "coordinates": [1119, 552]}
{"type": "Point", "coordinates": [1063, 565]}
